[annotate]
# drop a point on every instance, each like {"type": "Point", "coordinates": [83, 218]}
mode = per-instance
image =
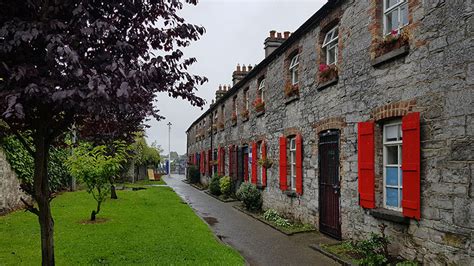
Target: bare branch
{"type": "Point", "coordinates": [30, 207]}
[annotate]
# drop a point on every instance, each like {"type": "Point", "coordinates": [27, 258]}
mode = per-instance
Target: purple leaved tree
{"type": "Point", "coordinates": [95, 64]}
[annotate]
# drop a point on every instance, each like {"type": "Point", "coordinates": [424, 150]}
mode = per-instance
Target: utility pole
{"type": "Point", "coordinates": [169, 149]}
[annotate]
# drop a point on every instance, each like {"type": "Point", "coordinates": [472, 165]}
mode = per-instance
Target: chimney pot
{"type": "Point", "coordinates": [279, 35]}
{"type": "Point", "coordinates": [244, 68]}
{"type": "Point", "coordinates": [220, 87]}
{"type": "Point", "coordinates": [286, 34]}
{"type": "Point", "coordinates": [250, 67]}
{"type": "Point", "coordinates": [272, 34]}
{"type": "Point", "coordinates": [238, 67]}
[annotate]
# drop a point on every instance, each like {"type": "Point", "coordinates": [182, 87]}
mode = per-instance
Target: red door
{"type": "Point", "coordinates": [329, 184]}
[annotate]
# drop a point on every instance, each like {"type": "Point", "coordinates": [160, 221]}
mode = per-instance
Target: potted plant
{"type": "Point", "coordinates": [394, 40]}
{"type": "Point", "coordinates": [265, 162]}
{"type": "Point", "coordinates": [327, 73]}
{"type": "Point", "coordinates": [220, 125]}
{"type": "Point", "coordinates": [259, 105]}
{"type": "Point", "coordinates": [291, 89]}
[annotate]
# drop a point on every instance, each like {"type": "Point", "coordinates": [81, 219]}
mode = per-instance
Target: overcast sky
{"type": "Point", "coordinates": [235, 31]}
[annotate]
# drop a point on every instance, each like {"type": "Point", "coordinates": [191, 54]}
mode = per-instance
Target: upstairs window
{"type": "Point", "coordinates": [234, 105]}
{"type": "Point", "coordinates": [330, 45]}
{"type": "Point", "coordinates": [261, 90]}
{"type": "Point", "coordinates": [294, 69]}
{"type": "Point", "coordinates": [246, 99]}
{"type": "Point", "coordinates": [395, 15]}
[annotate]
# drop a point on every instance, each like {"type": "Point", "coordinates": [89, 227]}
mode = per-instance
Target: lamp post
{"type": "Point", "coordinates": [169, 149]}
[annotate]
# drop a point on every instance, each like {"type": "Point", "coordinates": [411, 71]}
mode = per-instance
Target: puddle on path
{"type": "Point", "coordinates": [210, 220]}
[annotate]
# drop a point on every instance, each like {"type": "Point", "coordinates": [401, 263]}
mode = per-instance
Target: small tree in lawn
{"type": "Point", "coordinates": [96, 64]}
{"type": "Point", "coordinates": [95, 166]}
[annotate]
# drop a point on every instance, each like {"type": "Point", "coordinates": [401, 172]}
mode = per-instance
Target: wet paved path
{"type": "Point", "coordinates": [257, 242]}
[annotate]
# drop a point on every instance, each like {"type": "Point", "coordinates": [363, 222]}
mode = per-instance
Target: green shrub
{"type": "Point", "coordinates": [22, 162]}
{"type": "Point", "coordinates": [193, 175]}
{"type": "Point", "coordinates": [374, 250]}
{"type": "Point", "coordinates": [250, 196]}
{"type": "Point", "coordinates": [273, 216]}
{"type": "Point", "coordinates": [215, 186]}
{"type": "Point", "coordinates": [225, 185]}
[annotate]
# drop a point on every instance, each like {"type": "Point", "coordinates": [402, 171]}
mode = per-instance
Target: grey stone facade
{"type": "Point", "coordinates": [434, 78]}
{"type": "Point", "coordinates": [10, 192]}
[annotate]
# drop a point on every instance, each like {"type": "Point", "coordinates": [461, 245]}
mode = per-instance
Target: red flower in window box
{"type": "Point", "coordinates": [327, 73]}
{"type": "Point", "coordinates": [259, 105]}
{"type": "Point", "coordinates": [234, 118]}
{"type": "Point", "coordinates": [394, 40]}
{"type": "Point", "coordinates": [245, 114]}
{"type": "Point", "coordinates": [291, 90]}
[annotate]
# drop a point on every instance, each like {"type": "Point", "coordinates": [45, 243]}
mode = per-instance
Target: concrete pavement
{"type": "Point", "coordinates": [258, 243]}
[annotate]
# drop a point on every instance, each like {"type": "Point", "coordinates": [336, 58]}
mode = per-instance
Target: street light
{"type": "Point", "coordinates": [169, 149]}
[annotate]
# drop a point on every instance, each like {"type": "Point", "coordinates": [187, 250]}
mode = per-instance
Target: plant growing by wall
{"type": "Point", "coordinates": [374, 250]}
{"type": "Point", "coordinates": [250, 196]}
{"type": "Point", "coordinates": [22, 163]}
{"type": "Point", "coordinates": [225, 185]}
{"type": "Point", "coordinates": [215, 186]}
{"type": "Point", "coordinates": [95, 166]}
{"type": "Point", "coordinates": [194, 176]}
{"type": "Point", "coordinates": [245, 114]}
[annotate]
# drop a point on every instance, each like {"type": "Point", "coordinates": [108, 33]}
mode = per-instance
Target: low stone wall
{"type": "Point", "coordinates": [10, 193]}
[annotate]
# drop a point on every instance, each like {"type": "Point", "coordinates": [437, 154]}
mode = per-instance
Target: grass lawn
{"type": "Point", "coordinates": [151, 226]}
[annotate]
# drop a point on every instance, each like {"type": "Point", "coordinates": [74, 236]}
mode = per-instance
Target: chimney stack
{"type": "Point", "coordinates": [274, 41]}
{"type": "Point", "coordinates": [240, 73]}
{"type": "Point", "coordinates": [220, 92]}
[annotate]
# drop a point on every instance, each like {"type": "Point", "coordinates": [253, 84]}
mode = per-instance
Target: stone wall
{"type": "Point", "coordinates": [435, 78]}
{"type": "Point", "coordinates": [10, 192]}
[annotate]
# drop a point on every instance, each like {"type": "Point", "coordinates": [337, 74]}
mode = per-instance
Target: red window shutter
{"type": "Point", "coordinates": [254, 163]}
{"type": "Point", "coordinates": [194, 159]}
{"type": "Point", "coordinates": [219, 161]}
{"type": "Point", "coordinates": [366, 154]}
{"type": "Point", "coordinates": [283, 164]}
{"type": "Point", "coordinates": [411, 166]}
{"type": "Point", "coordinates": [201, 168]}
{"type": "Point", "coordinates": [299, 164]}
{"type": "Point", "coordinates": [264, 169]}
{"type": "Point", "coordinates": [223, 161]}
{"type": "Point", "coordinates": [230, 160]}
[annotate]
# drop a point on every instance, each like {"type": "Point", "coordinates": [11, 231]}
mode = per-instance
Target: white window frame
{"type": "Point", "coordinates": [386, 10]}
{"type": "Point", "coordinates": [386, 144]}
{"type": "Point", "coordinates": [261, 90]}
{"type": "Point", "coordinates": [294, 69]}
{"type": "Point", "coordinates": [246, 99]}
{"type": "Point", "coordinates": [331, 41]}
{"type": "Point", "coordinates": [292, 153]}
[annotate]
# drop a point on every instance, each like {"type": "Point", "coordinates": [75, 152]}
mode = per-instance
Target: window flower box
{"type": "Point", "coordinates": [234, 119]}
{"type": "Point", "coordinates": [245, 115]}
{"type": "Point", "coordinates": [395, 40]}
{"type": "Point", "coordinates": [220, 125]}
{"type": "Point", "coordinates": [291, 90]}
{"type": "Point", "coordinates": [327, 73]}
{"type": "Point", "coordinates": [259, 105]}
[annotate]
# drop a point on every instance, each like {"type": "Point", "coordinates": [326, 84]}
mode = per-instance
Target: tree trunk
{"type": "Point", "coordinates": [42, 198]}
{"type": "Point", "coordinates": [94, 213]}
{"type": "Point", "coordinates": [113, 194]}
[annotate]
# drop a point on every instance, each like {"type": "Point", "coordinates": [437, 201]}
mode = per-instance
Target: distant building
{"type": "Point", "coordinates": [367, 113]}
